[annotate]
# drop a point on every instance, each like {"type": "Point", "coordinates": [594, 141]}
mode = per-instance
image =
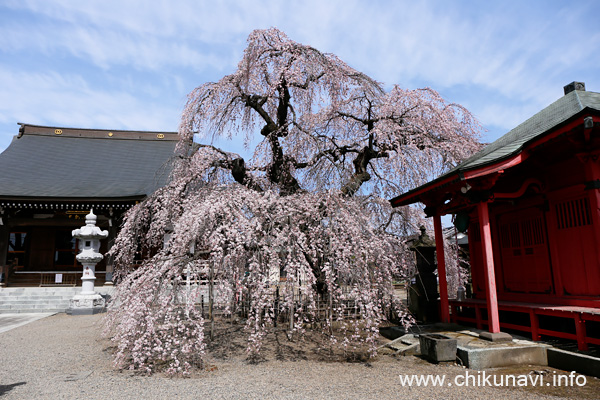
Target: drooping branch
{"type": "Point", "coordinates": [324, 127]}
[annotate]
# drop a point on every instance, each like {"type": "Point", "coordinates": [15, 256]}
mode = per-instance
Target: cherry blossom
{"type": "Point", "coordinates": [329, 145]}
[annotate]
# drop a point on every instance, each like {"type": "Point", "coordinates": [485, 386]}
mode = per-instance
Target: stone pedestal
{"type": "Point", "coordinates": [437, 348]}
{"type": "Point", "coordinates": [87, 304]}
{"type": "Point", "coordinates": [88, 301]}
{"type": "Point", "coordinates": [496, 337]}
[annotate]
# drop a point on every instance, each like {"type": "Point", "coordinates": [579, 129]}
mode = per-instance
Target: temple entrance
{"type": "Point", "coordinates": [45, 256]}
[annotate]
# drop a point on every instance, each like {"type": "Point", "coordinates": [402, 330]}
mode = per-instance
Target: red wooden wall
{"type": "Point", "coordinates": [546, 247]}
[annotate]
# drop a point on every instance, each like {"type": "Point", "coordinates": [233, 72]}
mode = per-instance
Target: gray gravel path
{"type": "Point", "coordinates": [63, 357]}
{"type": "Point", "coordinates": [11, 321]}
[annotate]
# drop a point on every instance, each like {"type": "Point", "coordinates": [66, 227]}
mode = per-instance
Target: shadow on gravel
{"type": "Point", "coordinates": [7, 388]}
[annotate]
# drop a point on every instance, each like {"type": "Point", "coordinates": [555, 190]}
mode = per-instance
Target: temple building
{"type": "Point", "coordinates": [530, 203]}
{"type": "Point", "coordinates": [52, 177]}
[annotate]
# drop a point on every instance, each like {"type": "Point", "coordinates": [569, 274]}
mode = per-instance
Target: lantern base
{"type": "Point", "coordinates": [87, 304]}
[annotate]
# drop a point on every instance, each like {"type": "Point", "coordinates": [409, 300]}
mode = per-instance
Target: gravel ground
{"type": "Point", "coordinates": [63, 357]}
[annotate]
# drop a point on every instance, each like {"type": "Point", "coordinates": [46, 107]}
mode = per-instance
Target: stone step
{"type": "Point", "coordinates": [34, 304]}
{"type": "Point", "coordinates": [41, 294]}
{"type": "Point", "coordinates": [33, 311]}
{"type": "Point", "coordinates": [39, 289]}
{"type": "Point", "coordinates": [52, 287]}
{"type": "Point", "coordinates": [52, 291]}
{"type": "Point", "coordinates": [36, 301]}
{"type": "Point", "coordinates": [40, 299]}
{"type": "Point", "coordinates": [36, 295]}
{"type": "Point", "coordinates": [38, 307]}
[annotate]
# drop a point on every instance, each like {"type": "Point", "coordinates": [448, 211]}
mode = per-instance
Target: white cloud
{"type": "Point", "coordinates": [520, 52]}
{"type": "Point", "coordinates": [497, 46]}
{"type": "Point", "coordinates": [106, 48]}
{"type": "Point", "coordinates": [55, 99]}
{"type": "Point", "coordinates": [510, 59]}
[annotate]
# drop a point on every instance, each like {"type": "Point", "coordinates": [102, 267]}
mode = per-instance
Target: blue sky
{"type": "Point", "coordinates": [119, 64]}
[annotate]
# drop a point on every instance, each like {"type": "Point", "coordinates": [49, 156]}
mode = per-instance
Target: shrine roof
{"type": "Point", "coordinates": [551, 116]}
{"type": "Point", "coordinates": [58, 163]}
{"type": "Point", "coordinates": [513, 142]}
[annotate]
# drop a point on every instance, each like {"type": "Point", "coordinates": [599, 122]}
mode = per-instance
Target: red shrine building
{"type": "Point", "coordinates": [530, 203]}
{"type": "Point", "coordinates": [52, 177]}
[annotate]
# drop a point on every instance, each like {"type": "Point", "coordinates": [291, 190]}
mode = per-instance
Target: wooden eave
{"type": "Point", "coordinates": [434, 193]}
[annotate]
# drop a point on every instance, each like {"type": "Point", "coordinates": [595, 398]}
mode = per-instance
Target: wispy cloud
{"type": "Point", "coordinates": [503, 60]}
{"type": "Point", "coordinates": [105, 48]}
{"type": "Point", "coordinates": [55, 99]}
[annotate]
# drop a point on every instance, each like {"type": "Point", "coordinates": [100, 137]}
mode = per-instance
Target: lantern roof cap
{"type": "Point", "coordinates": [423, 240]}
{"type": "Point", "coordinates": [90, 230]}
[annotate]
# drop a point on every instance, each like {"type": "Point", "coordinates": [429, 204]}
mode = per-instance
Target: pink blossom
{"type": "Point", "coordinates": [310, 203]}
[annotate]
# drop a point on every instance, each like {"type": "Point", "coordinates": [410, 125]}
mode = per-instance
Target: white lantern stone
{"type": "Point", "coordinates": [88, 301]}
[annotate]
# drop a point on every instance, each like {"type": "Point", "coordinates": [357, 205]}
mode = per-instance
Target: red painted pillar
{"type": "Point", "coordinates": [488, 261]}
{"type": "Point", "coordinates": [441, 264]}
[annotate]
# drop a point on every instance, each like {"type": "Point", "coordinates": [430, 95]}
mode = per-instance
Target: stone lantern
{"type": "Point", "coordinates": [88, 301]}
{"type": "Point", "coordinates": [423, 292]}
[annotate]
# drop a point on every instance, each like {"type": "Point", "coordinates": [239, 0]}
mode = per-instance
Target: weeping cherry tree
{"type": "Point", "coordinates": [327, 146]}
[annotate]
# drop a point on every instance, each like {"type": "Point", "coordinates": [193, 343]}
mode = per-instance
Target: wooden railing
{"type": "Point", "coordinates": [578, 315]}
{"type": "Point", "coordinates": [54, 278]}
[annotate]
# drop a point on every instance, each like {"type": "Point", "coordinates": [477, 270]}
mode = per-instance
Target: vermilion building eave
{"type": "Point", "coordinates": [416, 195]}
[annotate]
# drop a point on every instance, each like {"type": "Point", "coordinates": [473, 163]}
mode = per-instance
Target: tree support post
{"type": "Point", "coordinates": [211, 301]}
{"type": "Point", "coordinates": [441, 265]}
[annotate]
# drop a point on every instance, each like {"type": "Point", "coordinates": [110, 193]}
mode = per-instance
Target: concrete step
{"type": "Point", "coordinates": [53, 290]}
{"type": "Point", "coordinates": [29, 304]}
{"type": "Point", "coordinates": [41, 294]}
{"type": "Point", "coordinates": [30, 301]}
{"type": "Point", "coordinates": [37, 295]}
{"type": "Point", "coordinates": [40, 299]}
{"type": "Point", "coordinates": [32, 311]}
{"type": "Point", "coordinates": [20, 310]}
{"type": "Point", "coordinates": [9, 291]}
{"type": "Point", "coordinates": [45, 288]}
{"type": "Point", "coordinates": [34, 298]}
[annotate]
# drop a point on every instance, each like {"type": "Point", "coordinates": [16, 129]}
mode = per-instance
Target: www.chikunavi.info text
{"type": "Point", "coordinates": [482, 378]}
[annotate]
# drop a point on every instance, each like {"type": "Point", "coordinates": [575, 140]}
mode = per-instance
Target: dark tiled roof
{"type": "Point", "coordinates": [48, 162]}
{"type": "Point", "coordinates": [551, 116]}
{"type": "Point", "coordinates": [514, 141]}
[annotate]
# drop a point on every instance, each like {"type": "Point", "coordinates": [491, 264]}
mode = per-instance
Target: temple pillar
{"type": "Point", "coordinates": [4, 232]}
{"type": "Point", "coordinates": [490, 277]}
